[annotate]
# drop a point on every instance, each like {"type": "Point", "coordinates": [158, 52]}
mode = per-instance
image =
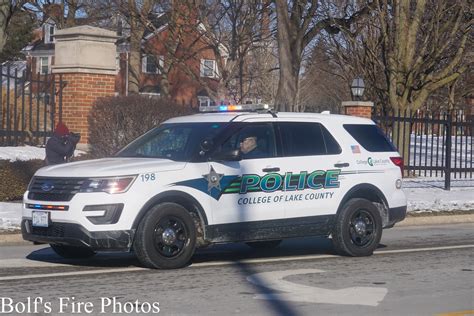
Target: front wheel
{"type": "Point", "coordinates": [72, 252]}
{"type": "Point", "coordinates": [166, 237]}
{"type": "Point", "coordinates": [358, 228]}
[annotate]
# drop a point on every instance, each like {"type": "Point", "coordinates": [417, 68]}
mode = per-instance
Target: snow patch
{"type": "Point", "coordinates": [10, 215]}
{"type": "Point", "coordinates": [26, 153]}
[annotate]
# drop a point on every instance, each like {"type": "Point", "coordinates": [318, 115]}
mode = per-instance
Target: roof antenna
{"type": "Point", "coordinates": [273, 113]}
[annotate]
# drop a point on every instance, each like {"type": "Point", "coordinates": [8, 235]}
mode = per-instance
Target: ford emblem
{"type": "Point", "coordinates": [47, 186]}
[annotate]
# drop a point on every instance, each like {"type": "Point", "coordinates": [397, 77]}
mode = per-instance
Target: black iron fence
{"type": "Point", "coordinates": [432, 144]}
{"type": "Point", "coordinates": [31, 104]}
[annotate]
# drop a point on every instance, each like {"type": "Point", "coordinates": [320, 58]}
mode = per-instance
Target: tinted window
{"type": "Point", "coordinates": [253, 141]}
{"type": "Point", "coordinates": [307, 139]}
{"type": "Point", "coordinates": [332, 147]}
{"type": "Point", "coordinates": [370, 137]}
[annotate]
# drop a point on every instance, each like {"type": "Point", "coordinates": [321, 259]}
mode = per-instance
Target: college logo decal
{"type": "Point", "coordinates": [370, 161]}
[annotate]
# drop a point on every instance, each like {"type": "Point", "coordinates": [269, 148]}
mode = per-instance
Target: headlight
{"type": "Point", "coordinates": [108, 185]}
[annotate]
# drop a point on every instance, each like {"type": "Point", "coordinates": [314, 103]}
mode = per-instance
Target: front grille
{"type": "Point", "coordinates": [49, 196]}
{"type": "Point", "coordinates": [54, 189]}
{"type": "Point", "coordinates": [54, 230]}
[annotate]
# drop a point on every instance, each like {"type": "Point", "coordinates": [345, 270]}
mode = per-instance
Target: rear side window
{"type": "Point", "coordinates": [370, 137]}
{"type": "Point", "coordinates": [307, 139]}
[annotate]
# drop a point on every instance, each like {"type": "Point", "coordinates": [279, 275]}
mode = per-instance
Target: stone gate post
{"type": "Point", "coordinates": [86, 57]}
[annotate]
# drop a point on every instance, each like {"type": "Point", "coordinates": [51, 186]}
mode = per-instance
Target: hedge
{"type": "Point", "coordinates": [15, 177]}
{"type": "Point", "coordinates": [116, 121]}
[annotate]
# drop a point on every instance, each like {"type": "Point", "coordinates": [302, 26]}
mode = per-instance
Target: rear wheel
{"type": "Point", "coordinates": [268, 244]}
{"type": "Point", "coordinates": [72, 252]}
{"type": "Point", "coordinates": [358, 228]}
{"type": "Point", "coordinates": [166, 237]}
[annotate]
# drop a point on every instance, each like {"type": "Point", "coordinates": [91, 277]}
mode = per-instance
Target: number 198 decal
{"type": "Point", "coordinates": [148, 177]}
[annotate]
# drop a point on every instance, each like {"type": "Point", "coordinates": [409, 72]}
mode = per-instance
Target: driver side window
{"type": "Point", "coordinates": [253, 142]}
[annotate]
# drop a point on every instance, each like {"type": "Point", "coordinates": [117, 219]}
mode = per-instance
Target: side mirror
{"type": "Point", "coordinates": [229, 155]}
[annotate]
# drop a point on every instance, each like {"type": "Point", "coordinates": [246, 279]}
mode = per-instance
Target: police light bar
{"type": "Point", "coordinates": [235, 108]}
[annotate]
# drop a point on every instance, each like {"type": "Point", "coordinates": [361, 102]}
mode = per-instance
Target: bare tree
{"type": "Point", "coordinates": [323, 86]}
{"type": "Point", "coordinates": [7, 9]}
{"type": "Point", "coordinates": [227, 31]}
{"type": "Point", "coordinates": [298, 24]}
{"type": "Point", "coordinates": [240, 34]}
{"type": "Point", "coordinates": [409, 50]}
{"type": "Point", "coordinates": [422, 48]}
{"type": "Point", "coordinates": [138, 14]}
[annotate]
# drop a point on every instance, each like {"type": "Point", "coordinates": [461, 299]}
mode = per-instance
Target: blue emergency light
{"type": "Point", "coordinates": [235, 108]}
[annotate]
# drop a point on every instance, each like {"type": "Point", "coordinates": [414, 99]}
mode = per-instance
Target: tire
{"type": "Point", "coordinates": [358, 229]}
{"type": "Point", "coordinates": [72, 252]}
{"type": "Point", "coordinates": [166, 237]}
{"type": "Point", "coordinates": [268, 244]}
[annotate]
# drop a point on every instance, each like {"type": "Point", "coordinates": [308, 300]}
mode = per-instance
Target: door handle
{"type": "Point", "coordinates": [341, 165]}
{"type": "Point", "coordinates": [273, 169]}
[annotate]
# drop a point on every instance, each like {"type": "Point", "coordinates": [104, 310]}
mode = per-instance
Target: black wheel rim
{"type": "Point", "coordinates": [362, 228]}
{"type": "Point", "coordinates": [170, 236]}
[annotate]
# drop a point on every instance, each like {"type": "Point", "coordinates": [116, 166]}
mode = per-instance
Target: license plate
{"type": "Point", "coordinates": [40, 219]}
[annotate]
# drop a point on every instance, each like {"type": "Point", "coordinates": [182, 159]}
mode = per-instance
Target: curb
{"type": "Point", "coordinates": [16, 239]}
{"type": "Point", "coordinates": [436, 220]}
{"type": "Point", "coordinates": [13, 240]}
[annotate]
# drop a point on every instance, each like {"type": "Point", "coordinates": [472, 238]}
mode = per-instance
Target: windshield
{"type": "Point", "coordinates": [179, 142]}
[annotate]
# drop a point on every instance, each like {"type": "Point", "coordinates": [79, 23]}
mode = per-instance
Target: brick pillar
{"type": "Point", "coordinates": [85, 56]}
{"type": "Point", "coordinates": [358, 108]}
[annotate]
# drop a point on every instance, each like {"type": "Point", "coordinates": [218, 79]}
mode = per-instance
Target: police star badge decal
{"type": "Point", "coordinates": [213, 179]}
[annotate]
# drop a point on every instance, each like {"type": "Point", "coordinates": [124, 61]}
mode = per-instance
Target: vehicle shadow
{"type": "Point", "coordinates": [288, 248]}
{"type": "Point", "coordinates": [214, 253]}
{"type": "Point", "coordinates": [105, 260]}
{"type": "Point", "coordinates": [235, 252]}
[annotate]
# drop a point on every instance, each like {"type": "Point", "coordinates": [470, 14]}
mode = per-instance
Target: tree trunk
{"type": "Point", "coordinates": [134, 66]}
{"type": "Point", "coordinates": [4, 18]}
{"type": "Point", "coordinates": [285, 99]}
{"type": "Point", "coordinates": [289, 56]}
{"type": "Point", "coordinates": [165, 86]}
{"type": "Point", "coordinates": [137, 29]}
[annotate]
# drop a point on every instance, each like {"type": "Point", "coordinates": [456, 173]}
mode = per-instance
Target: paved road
{"type": "Point", "coordinates": [425, 270]}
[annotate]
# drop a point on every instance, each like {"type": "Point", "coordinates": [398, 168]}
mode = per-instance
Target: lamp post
{"type": "Point", "coordinates": [356, 107]}
{"type": "Point", "coordinates": [357, 88]}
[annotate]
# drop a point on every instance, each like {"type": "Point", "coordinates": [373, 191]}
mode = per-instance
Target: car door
{"type": "Point", "coordinates": [312, 168]}
{"type": "Point", "coordinates": [247, 188]}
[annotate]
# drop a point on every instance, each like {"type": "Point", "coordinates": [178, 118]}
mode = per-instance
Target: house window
{"type": "Point", "coordinates": [208, 68]}
{"type": "Point", "coordinates": [49, 30]}
{"type": "Point", "coordinates": [43, 65]}
{"type": "Point", "coordinates": [150, 64]}
{"type": "Point", "coordinates": [205, 101]}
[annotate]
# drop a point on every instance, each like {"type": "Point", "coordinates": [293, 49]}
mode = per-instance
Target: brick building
{"type": "Point", "coordinates": [191, 81]}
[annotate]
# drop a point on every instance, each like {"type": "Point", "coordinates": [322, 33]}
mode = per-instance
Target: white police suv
{"type": "Point", "coordinates": [250, 175]}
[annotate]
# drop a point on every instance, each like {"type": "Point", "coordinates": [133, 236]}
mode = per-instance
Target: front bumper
{"type": "Point", "coordinates": [76, 235]}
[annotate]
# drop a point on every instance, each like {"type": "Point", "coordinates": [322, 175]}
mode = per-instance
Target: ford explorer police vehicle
{"type": "Point", "coordinates": [235, 174]}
